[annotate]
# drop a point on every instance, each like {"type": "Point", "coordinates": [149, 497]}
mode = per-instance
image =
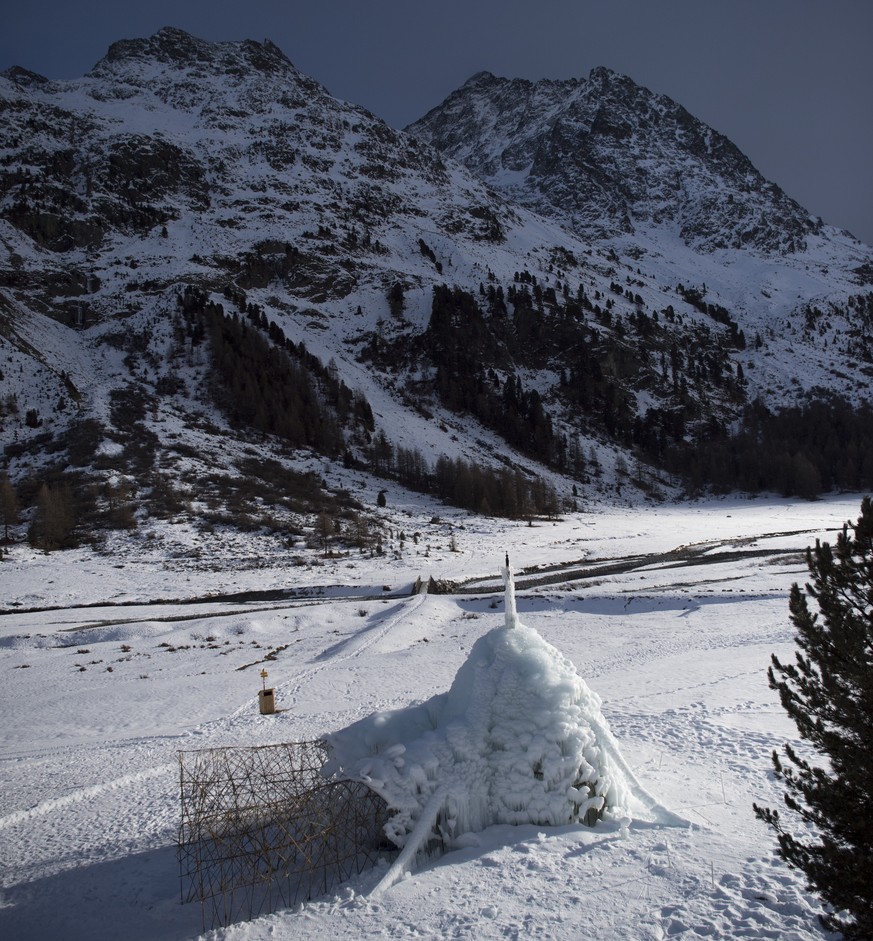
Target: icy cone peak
{"type": "Point", "coordinates": [509, 593]}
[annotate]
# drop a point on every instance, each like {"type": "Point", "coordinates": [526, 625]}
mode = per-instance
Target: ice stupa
{"type": "Point", "coordinates": [518, 738]}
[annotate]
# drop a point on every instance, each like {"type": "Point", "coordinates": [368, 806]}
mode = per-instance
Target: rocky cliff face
{"type": "Point", "coordinates": [606, 155]}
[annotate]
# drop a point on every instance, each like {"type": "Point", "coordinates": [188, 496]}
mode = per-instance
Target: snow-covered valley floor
{"type": "Point", "coordinates": [98, 699]}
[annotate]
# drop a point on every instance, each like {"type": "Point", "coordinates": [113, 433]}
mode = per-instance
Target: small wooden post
{"type": "Point", "coordinates": [266, 699]}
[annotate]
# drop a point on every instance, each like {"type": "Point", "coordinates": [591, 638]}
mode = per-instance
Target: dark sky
{"type": "Point", "coordinates": [789, 81]}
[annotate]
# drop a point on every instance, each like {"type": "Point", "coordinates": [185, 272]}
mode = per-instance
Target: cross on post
{"type": "Point", "coordinates": [266, 697]}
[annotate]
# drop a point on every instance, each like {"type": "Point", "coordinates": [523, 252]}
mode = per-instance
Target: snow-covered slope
{"type": "Point", "coordinates": [178, 162]}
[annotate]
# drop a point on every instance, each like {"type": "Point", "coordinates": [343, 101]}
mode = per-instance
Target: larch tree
{"type": "Point", "coordinates": [8, 505]}
{"type": "Point", "coordinates": [54, 519]}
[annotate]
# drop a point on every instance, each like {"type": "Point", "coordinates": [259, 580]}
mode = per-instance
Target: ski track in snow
{"type": "Point", "coordinates": [83, 794]}
{"type": "Point", "coordinates": [348, 649]}
{"type": "Point", "coordinates": [145, 809]}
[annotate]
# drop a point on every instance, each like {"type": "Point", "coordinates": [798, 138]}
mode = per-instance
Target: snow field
{"type": "Point", "coordinates": [677, 651]}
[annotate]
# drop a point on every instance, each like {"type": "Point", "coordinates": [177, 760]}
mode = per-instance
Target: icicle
{"type": "Point", "coordinates": [509, 586]}
{"type": "Point", "coordinates": [421, 833]}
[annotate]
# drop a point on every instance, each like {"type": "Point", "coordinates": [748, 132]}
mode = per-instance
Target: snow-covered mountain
{"type": "Point", "coordinates": [544, 279]}
{"type": "Point", "coordinates": [177, 163]}
{"type": "Point", "coordinates": [607, 155]}
{"type": "Point", "coordinates": [635, 174]}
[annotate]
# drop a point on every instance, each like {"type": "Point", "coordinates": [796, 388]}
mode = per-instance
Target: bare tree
{"type": "Point", "coordinates": [8, 505]}
{"type": "Point", "coordinates": [53, 523]}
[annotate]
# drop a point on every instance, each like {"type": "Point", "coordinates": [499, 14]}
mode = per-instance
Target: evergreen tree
{"type": "Point", "coordinates": [396, 299]}
{"type": "Point", "coordinates": [828, 693]}
{"type": "Point", "coordinates": [324, 530]}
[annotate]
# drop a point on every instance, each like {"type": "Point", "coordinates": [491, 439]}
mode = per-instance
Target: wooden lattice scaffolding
{"type": "Point", "coordinates": [262, 829]}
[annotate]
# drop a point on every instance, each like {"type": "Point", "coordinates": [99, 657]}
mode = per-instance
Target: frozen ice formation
{"type": "Point", "coordinates": [518, 738]}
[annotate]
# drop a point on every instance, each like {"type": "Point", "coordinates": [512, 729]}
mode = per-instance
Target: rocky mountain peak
{"type": "Point", "coordinates": [170, 45]}
{"type": "Point", "coordinates": [24, 77]}
{"type": "Point", "coordinates": [480, 78]}
{"type": "Point", "coordinates": [607, 156]}
{"type": "Point", "coordinates": [176, 50]}
{"type": "Point", "coordinates": [604, 78]}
